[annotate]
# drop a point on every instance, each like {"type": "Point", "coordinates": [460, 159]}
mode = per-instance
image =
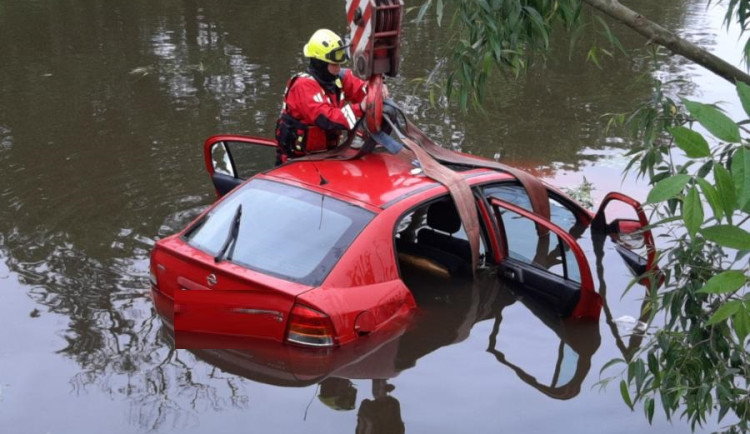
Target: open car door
{"type": "Point", "coordinates": [632, 236]}
{"type": "Point", "coordinates": [232, 159]}
{"type": "Point", "coordinates": [548, 264]}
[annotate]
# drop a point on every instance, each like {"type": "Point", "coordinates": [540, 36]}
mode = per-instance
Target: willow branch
{"type": "Point", "coordinates": [661, 36]}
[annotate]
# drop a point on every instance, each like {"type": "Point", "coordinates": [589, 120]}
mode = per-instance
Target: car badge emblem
{"type": "Point", "coordinates": [211, 279]}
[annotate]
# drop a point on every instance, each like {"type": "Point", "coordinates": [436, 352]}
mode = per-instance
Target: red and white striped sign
{"type": "Point", "coordinates": [359, 35]}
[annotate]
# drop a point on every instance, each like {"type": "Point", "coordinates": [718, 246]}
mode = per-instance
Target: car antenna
{"type": "Point", "coordinates": [323, 181]}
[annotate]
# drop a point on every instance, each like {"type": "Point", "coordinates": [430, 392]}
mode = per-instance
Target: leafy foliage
{"type": "Point", "coordinates": [697, 361]}
{"type": "Point", "coordinates": [582, 193]}
{"type": "Point", "coordinates": [738, 11]}
{"type": "Point", "coordinates": [505, 35]}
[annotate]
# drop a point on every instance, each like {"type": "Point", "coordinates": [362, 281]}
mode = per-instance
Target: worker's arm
{"type": "Point", "coordinates": [308, 102]}
{"type": "Point", "coordinates": [354, 88]}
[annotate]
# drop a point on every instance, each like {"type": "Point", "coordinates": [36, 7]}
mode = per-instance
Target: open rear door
{"type": "Point", "coordinates": [633, 238]}
{"type": "Point", "coordinates": [551, 267]}
{"type": "Point", "coordinates": [232, 159]}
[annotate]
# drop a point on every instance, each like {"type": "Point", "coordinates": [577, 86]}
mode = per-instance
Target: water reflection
{"type": "Point", "coordinates": [635, 334]}
{"type": "Point", "coordinates": [578, 343]}
{"type": "Point", "coordinates": [6, 139]}
{"type": "Point", "coordinates": [448, 312]}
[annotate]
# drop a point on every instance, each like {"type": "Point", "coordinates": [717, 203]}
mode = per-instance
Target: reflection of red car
{"type": "Point", "coordinates": [312, 252]}
{"type": "Point", "coordinates": [449, 311]}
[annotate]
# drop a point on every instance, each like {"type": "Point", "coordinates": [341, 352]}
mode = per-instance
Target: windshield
{"type": "Point", "coordinates": [285, 231]}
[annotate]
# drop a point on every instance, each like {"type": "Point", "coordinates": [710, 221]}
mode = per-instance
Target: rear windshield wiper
{"type": "Point", "coordinates": [231, 237]}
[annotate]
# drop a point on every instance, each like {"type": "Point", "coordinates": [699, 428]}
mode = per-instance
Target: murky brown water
{"type": "Point", "coordinates": [103, 108]}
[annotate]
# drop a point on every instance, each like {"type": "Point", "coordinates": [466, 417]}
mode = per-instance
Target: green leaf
{"type": "Point", "coordinates": [667, 188]}
{"type": "Point", "coordinates": [728, 236]}
{"type": "Point", "coordinates": [743, 91]}
{"type": "Point", "coordinates": [692, 211]}
{"type": "Point", "coordinates": [741, 324]}
{"type": "Point", "coordinates": [593, 57]}
{"type": "Point", "coordinates": [653, 364]}
{"type": "Point", "coordinates": [692, 142]}
{"type": "Point", "coordinates": [726, 190]}
{"type": "Point", "coordinates": [741, 176]}
{"type": "Point", "coordinates": [625, 394]}
{"type": "Point", "coordinates": [709, 192]}
{"type": "Point", "coordinates": [611, 36]}
{"type": "Point", "coordinates": [725, 311]}
{"type": "Point", "coordinates": [423, 10]}
{"type": "Point", "coordinates": [725, 282]}
{"type": "Point", "coordinates": [716, 122]}
{"type": "Point", "coordinates": [611, 363]}
{"type": "Point", "coordinates": [648, 407]}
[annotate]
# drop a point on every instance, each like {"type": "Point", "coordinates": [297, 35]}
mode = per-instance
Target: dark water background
{"type": "Point", "coordinates": [103, 109]}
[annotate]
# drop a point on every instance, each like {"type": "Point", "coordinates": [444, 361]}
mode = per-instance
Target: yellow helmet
{"type": "Point", "coordinates": [327, 46]}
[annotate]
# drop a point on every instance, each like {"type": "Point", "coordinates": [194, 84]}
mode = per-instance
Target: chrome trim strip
{"type": "Point", "coordinates": [278, 316]}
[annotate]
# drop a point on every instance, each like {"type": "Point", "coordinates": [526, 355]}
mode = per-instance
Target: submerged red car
{"type": "Point", "coordinates": [313, 253]}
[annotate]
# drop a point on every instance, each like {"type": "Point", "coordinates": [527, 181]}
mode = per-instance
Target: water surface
{"type": "Point", "coordinates": [103, 109]}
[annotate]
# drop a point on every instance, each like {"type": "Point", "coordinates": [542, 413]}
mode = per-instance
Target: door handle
{"type": "Point", "coordinates": [512, 273]}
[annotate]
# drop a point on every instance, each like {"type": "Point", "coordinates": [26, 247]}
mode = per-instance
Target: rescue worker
{"type": "Point", "coordinates": [321, 103]}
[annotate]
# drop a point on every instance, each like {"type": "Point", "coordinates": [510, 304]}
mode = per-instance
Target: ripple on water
{"type": "Point", "coordinates": [175, 222]}
{"type": "Point", "coordinates": [6, 139]}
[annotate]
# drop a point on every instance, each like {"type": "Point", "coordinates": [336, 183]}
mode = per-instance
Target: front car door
{"type": "Point", "coordinates": [632, 236]}
{"type": "Point", "coordinates": [230, 159]}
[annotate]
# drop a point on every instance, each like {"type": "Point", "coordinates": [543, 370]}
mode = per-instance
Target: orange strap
{"type": "Point", "coordinates": [459, 190]}
{"type": "Point", "coordinates": [535, 188]}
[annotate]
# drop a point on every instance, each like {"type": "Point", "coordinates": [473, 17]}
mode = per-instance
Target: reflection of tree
{"type": "Point", "coordinates": [113, 332]}
{"type": "Point", "coordinates": [166, 388]}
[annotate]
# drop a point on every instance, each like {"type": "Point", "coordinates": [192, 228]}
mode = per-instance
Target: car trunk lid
{"type": "Point", "coordinates": [222, 298]}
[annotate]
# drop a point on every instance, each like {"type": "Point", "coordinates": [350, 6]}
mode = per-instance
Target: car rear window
{"type": "Point", "coordinates": [284, 231]}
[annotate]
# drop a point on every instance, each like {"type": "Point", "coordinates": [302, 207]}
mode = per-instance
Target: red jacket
{"type": "Point", "coordinates": [324, 113]}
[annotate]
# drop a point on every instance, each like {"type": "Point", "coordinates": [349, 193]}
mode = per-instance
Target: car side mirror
{"type": "Point", "coordinates": [626, 232]}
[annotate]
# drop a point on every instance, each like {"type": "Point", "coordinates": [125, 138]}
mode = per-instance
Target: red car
{"type": "Point", "coordinates": [315, 253]}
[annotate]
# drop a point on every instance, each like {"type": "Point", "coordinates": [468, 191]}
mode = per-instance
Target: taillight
{"type": "Point", "coordinates": [309, 327]}
{"type": "Point", "coordinates": [152, 275]}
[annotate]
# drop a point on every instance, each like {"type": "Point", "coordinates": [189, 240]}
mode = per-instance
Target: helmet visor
{"type": "Point", "coordinates": [338, 55]}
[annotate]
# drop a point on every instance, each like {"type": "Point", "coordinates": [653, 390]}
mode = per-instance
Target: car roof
{"type": "Point", "coordinates": [378, 178]}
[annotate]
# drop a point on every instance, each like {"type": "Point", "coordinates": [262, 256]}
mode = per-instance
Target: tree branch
{"type": "Point", "coordinates": [661, 36]}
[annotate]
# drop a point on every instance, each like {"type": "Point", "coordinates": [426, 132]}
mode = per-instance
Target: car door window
{"type": "Point", "coordinates": [545, 260]}
{"type": "Point", "coordinates": [232, 159]}
{"type": "Point", "coordinates": [250, 159]}
{"type": "Point", "coordinates": [547, 251]}
{"type": "Point", "coordinates": [514, 193]}
{"type": "Point", "coordinates": [221, 161]}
